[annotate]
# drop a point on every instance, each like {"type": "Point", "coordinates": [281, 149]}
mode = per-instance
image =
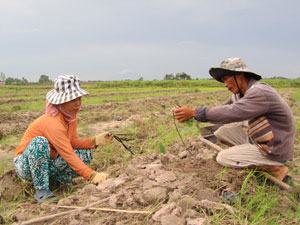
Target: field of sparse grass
{"type": "Point", "coordinates": [258, 202]}
{"type": "Point", "coordinates": [296, 98]}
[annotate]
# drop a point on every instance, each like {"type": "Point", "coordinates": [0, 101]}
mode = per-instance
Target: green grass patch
{"type": "Point", "coordinates": [36, 100]}
{"type": "Point", "coordinates": [258, 202]}
{"type": "Point", "coordinates": [9, 140]}
{"type": "Point", "coordinates": [6, 164]}
{"type": "Point", "coordinates": [296, 98]}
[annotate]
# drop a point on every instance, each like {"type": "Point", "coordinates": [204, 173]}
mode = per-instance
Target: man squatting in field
{"type": "Point", "coordinates": [50, 149]}
{"type": "Point", "coordinates": [268, 141]}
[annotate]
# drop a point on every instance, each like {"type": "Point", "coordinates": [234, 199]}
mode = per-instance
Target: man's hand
{"type": "Point", "coordinates": [184, 113]}
{"type": "Point", "coordinates": [97, 178]}
{"type": "Point", "coordinates": [105, 138]}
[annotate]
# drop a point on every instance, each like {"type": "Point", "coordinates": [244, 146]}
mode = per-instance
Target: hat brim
{"type": "Point", "coordinates": [57, 98]}
{"type": "Point", "coordinates": [218, 73]}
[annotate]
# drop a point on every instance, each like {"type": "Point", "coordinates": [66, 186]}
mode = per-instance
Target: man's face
{"type": "Point", "coordinates": [230, 83]}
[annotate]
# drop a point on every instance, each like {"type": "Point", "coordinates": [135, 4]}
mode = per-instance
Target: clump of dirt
{"type": "Point", "coordinates": [118, 123]}
{"type": "Point", "coordinates": [183, 185]}
{"type": "Point", "coordinates": [15, 122]}
{"type": "Point", "coordinates": [10, 186]}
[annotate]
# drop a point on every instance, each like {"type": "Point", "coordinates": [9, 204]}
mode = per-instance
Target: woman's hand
{"type": "Point", "coordinates": [97, 178]}
{"type": "Point", "coordinates": [105, 138]}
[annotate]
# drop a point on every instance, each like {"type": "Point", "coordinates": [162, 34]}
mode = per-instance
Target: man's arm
{"type": "Point", "coordinates": [253, 104]}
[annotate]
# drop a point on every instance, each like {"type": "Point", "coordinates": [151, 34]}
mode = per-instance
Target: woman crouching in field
{"type": "Point", "coordinates": [50, 148]}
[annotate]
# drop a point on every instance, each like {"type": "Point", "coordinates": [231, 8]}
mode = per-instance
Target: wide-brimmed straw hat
{"type": "Point", "coordinates": [66, 88]}
{"type": "Point", "coordinates": [232, 66]}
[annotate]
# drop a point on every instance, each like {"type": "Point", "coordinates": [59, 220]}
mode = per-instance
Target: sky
{"type": "Point", "coordinates": [129, 39]}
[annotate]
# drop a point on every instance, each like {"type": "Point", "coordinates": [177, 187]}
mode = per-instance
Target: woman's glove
{"type": "Point", "coordinates": [105, 138]}
{"type": "Point", "coordinates": [97, 178]}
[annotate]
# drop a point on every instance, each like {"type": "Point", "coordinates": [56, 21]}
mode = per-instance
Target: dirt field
{"type": "Point", "coordinates": [174, 182]}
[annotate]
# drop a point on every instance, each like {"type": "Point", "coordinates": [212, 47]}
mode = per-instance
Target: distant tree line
{"type": "Point", "coordinates": [11, 80]}
{"type": "Point", "coordinates": [177, 76]}
{"type": "Point", "coordinates": [44, 79]}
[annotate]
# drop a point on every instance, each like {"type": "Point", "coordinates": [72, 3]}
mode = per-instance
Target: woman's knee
{"type": "Point", "coordinates": [40, 144]}
{"type": "Point", "coordinates": [40, 140]}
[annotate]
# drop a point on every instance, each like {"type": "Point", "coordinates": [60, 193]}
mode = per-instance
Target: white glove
{"type": "Point", "coordinates": [105, 138]}
{"type": "Point", "coordinates": [97, 178]}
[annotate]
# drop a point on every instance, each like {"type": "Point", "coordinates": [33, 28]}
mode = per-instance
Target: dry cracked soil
{"type": "Point", "coordinates": [183, 186]}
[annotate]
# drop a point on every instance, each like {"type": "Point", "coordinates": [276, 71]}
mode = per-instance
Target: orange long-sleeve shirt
{"type": "Point", "coordinates": [62, 138]}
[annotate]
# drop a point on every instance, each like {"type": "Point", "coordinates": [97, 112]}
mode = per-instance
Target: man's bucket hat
{"type": "Point", "coordinates": [232, 66]}
{"type": "Point", "coordinates": [66, 88]}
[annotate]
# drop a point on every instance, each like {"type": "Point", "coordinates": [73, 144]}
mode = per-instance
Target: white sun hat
{"type": "Point", "coordinates": [66, 88]}
{"type": "Point", "coordinates": [232, 66]}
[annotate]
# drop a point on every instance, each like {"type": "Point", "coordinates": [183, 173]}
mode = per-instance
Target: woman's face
{"type": "Point", "coordinates": [73, 106]}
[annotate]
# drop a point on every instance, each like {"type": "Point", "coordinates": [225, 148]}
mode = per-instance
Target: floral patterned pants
{"type": "Point", "coordinates": [35, 164]}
